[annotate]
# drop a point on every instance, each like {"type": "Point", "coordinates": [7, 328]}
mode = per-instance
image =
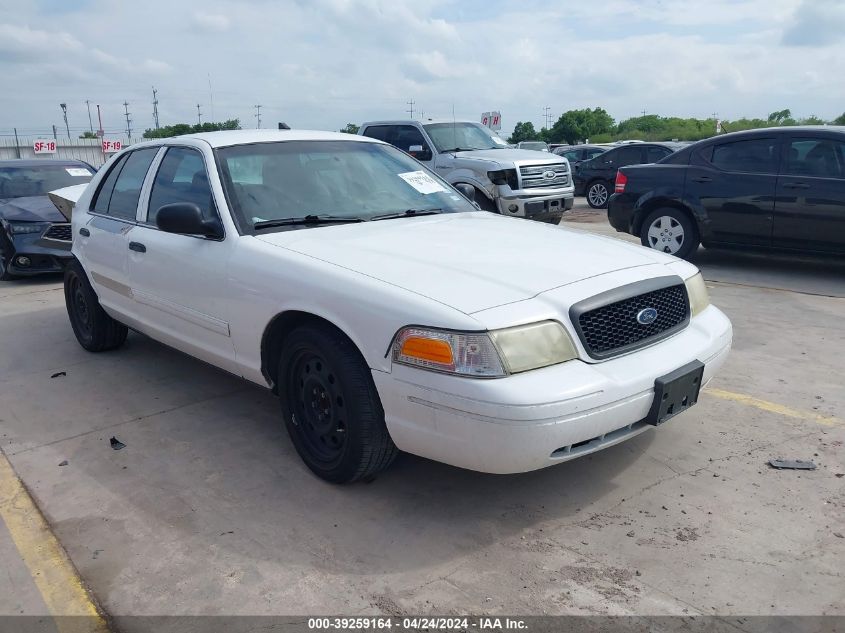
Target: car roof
{"type": "Point", "coordinates": [42, 162]}
{"type": "Point", "coordinates": [247, 137]}
{"type": "Point", "coordinates": [783, 129]}
{"type": "Point", "coordinates": [414, 121]}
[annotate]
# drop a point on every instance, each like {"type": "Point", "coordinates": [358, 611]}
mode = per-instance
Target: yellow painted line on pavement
{"type": "Point", "coordinates": [773, 407]}
{"type": "Point", "coordinates": [52, 572]}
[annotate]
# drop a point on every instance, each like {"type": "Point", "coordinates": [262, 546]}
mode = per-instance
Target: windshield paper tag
{"type": "Point", "coordinates": [422, 182]}
{"type": "Point", "coordinates": [77, 172]}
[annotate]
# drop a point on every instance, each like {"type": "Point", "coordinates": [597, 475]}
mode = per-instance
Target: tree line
{"type": "Point", "coordinates": [178, 129]}
{"type": "Point", "coordinates": [577, 126]}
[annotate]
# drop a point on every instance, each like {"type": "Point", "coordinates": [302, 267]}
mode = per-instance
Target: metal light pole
{"type": "Point", "coordinates": [90, 124]}
{"type": "Point", "coordinates": [63, 106]}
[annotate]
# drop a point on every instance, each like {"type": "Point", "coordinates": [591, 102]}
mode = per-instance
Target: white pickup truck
{"type": "Point", "coordinates": [515, 182]}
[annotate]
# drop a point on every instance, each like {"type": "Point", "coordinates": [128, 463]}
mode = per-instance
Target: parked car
{"type": "Point", "coordinates": [778, 187]}
{"type": "Point", "coordinates": [386, 311]}
{"type": "Point", "coordinates": [34, 236]}
{"type": "Point", "coordinates": [594, 178]}
{"type": "Point", "coordinates": [577, 154]}
{"type": "Point", "coordinates": [514, 182]}
{"type": "Point", "coordinates": [537, 146]}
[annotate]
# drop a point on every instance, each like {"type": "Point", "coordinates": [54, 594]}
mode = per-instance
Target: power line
{"type": "Point", "coordinates": [155, 107]}
{"type": "Point", "coordinates": [258, 116]}
{"type": "Point", "coordinates": [411, 110]}
{"type": "Point", "coordinates": [128, 120]}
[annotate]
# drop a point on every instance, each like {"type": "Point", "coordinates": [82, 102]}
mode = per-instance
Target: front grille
{"type": "Point", "coordinates": [58, 232]}
{"type": "Point", "coordinates": [608, 325]}
{"type": "Point", "coordinates": [534, 176]}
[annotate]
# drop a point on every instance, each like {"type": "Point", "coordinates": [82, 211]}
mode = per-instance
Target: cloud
{"type": "Point", "coordinates": [211, 22]}
{"type": "Point", "coordinates": [816, 23]}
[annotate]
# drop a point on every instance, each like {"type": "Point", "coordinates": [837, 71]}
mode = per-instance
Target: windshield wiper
{"type": "Point", "coordinates": [308, 219]}
{"type": "Point", "coordinates": [458, 149]}
{"type": "Point", "coordinates": [407, 213]}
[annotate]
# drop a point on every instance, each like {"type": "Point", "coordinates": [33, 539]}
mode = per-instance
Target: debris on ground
{"type": "Point", "coordinates": [116, 444]}
{"type": "Point", "coordinates": [838, 535]}
{"type": "Point", "coordinates": [792, 464]}
{"type": "Point", "coordinates": [59, 373]}
{"type": "Point", "coordinates": [63, 463]}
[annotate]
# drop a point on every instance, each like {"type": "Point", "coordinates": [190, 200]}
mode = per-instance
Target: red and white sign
{"type": "Point", "coordinates": [485, 119]}
{"type": "Point", "coordinates": [44, 146]}
{"type": "Point", "coordinates": [111, 146]}
{"type": "Point", "coordinates": [495, 120]}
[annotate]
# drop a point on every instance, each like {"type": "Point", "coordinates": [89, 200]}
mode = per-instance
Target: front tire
{"type": "Point", "coordinates": [331, 407]}
{"type": "Point", "coordinates": [670, 231]}
{"type": "Point", "coordinates": [598, 194]}
{"type": "Point", "coordinates": [485, 203]}
{"type": "Point", "coordinates": [95, 330]}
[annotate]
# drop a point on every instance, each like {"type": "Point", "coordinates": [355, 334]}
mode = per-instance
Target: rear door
{"type": "Point", "coordinates": [810, 203]}
{"type": "Point", "coordinates": [734, 183]}
{"type": "Point", "coordinates": [607, 164]}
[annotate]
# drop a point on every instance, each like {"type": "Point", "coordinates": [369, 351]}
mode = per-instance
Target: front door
{"type": "Point", "coordinates": [734, 182]}
{"type": "Point", "coordinates": [810, 203]}
{"type": "Point", "coordinates": [179, 282]}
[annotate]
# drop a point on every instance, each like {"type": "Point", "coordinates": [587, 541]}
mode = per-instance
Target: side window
{"type": "Point", "coordinates": [571, 155]}
{"type": "Point", "coordinates": [654, 154]}
{"type": "Point", "coordinates": [404, 136]}
{"type": "Point", "coordinates": [628, 156]}
{"type": "Point", "coordinates": [592, 153]}
{"type": "Point", "coordinates": [758, 155]}
{"type": "Point", "coordinates": [379, 132]}
{"type": "Point", "coordinates": [101, 201]}
{"type": "Point", "coordinates": [123, 202]}
{"type": "Point", "coordinates": [181, 178]}
{"type": "Point", "coordinates": [820, 157]}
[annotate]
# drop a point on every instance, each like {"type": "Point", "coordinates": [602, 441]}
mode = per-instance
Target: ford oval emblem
{"type": "Point", "coordinates": [548, 175]}
{"type": "Point", "coordinates": [646, 316]}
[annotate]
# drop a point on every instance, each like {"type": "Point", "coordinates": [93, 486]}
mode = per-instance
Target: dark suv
{"type": "Point", "coordinates": [775, 187]}
{"type": "Point", "coordinates": [594, 178]}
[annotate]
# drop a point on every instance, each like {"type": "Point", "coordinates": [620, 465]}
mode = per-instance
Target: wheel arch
{"type": "Point", "coordinates": [658, 203]}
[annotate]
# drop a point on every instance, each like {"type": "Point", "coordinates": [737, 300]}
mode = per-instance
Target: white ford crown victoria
{"type": "Point", "coordinates": [385, 310]}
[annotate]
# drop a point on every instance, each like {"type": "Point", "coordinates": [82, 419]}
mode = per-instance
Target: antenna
{"type": "Point", "coordinates": [199, 115]}
{"type": "Point", "coordinates": [128, 120]}
{"type": "Point", "coordinates": [155, 107]}
{"type": "Point", "coordinates": [454, 127]}
{"type": "Point", "coordinates": [211, 97]}
{"type": "Point", "coordinates": [411, 110]}
{"type": "Point", "coordinates": [258, 116]}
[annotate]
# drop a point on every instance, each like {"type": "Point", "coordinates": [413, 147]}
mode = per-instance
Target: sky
{"type": "Point", "coordinates": [319, 64]}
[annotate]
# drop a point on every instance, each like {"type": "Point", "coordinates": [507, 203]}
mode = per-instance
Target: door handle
{"type": "Point", "coordinates": [84, 232]}
{"type": "Point", "coordinates": [703, 179]}
{"type": "Point", "coordinates": [796, 185]}
{"type": "Point", "coordinates": [137, 247]}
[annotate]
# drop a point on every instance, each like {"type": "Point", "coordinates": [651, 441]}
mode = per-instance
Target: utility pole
{"type": "Point", "coordinates": [199, 115]}
{"type": "Point", "coordinates": [55, 136]}
{"type": "Point", "coordinates": [63, 106]}
{"type": "Point", "coordinates": [411, 110]}
{"type": "Point", "coordinates": [100, 132]}
{"type": "Point", "coordinates": [90, 125]}
{"type": "Point", "coordinates": [643, 112]}
{"type": "Point", "coordinates": [258, 116]}
{"type": "Point", "coordinates": [128, 120]}
{"type": "Point", "coordinates": [155, 107]}
{"type": "Point", "coordinates": [547, 113]}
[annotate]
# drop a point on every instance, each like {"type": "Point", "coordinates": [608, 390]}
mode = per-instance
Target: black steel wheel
{"type": "Point", "coordinates": [331, 407]}
{"type": "Point", "coordinates": [95, 330]}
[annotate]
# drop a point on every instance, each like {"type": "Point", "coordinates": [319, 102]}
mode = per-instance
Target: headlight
{"type": "Point", "coordinates": [697, 292]}
{"type": "Point", "coordinates": [504, 177]}
{"type": "Point", "coordinates": [19, 228]}
{"type": "Point", "coordinates": [484, 354]}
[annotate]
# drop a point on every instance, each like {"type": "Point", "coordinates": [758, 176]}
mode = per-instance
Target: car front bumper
{"type": "Point", "coordinates": [44, 255]}
{"type": "Point", "coordinates": [534, 205]}
{"type": "Point", "coordinates": [543, 417]}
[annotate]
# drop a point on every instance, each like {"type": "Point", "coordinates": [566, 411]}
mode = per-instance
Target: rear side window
{"type": "Point", "coordinates": [758, 155]}
{"type": "Point", "coordinates": [626, 156]}
{"type": "Point", "coordinates": [119, 194]}
{"type": "Point", "coordinates": [819, 157]}
{"type": "Point", "coordinates": [654, 154]}
{"type": "Point", "coordinates": [181, 178]}
{"type": "Point", "coordinates": [380, 132]}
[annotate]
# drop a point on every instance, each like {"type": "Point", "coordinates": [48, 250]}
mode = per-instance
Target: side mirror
{"type": "Point", "coordinates": [186, 218]}
{"type": "Point", "coordinates": [468, 191]}
{"type": "Point", "coordinates": [420, 152]}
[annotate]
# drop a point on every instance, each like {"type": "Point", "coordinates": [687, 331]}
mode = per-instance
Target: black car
{"type": "Point", "coordinates": [577, 154]}
{"type": "Point", "coordinates": [594, 178]}
{"type": "Point", "coordinates": [34, 237]}
{"type": "Point", "coordinates": [776, 187]}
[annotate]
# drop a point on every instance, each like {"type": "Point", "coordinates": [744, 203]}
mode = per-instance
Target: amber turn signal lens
{"type": "Point", "coordinates": [431, 350]}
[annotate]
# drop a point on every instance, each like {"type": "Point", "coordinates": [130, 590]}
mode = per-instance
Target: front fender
{"type": "Point", "coordinates": [470, 177]}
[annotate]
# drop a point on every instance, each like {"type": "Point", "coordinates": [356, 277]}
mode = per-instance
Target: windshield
{"type": "Point", "coordinates": [462, 136]}
{"type": "Point", "coordinates": [37, 180]}
{"type": "Point", "coordinates": [538, 145]}
{"type": "Point", "coordinates": [341, 179]}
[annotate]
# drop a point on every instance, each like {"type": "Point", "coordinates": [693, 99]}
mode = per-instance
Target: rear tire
{"type": "Point", "coordinates": [670, 231]}
{"type": "Point", "coordinates": [330, 406]}
{"type": "Point", "coordinates": [597, 194]}
{"type": "Point", "coordinates": [95, 330]}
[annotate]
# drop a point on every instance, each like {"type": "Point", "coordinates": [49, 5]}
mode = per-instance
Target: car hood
{"type": "Point", "coordinates": [30, 209]}
{"type": "Point", "coordinates": [468, 261]}
{"type": "Point", "coordinates": [505, 156]}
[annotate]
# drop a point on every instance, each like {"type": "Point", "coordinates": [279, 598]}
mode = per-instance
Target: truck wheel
{"type": "Point", "coordinates": [670, 231]}
{"type": "Point", "coordinates": [597, 194]}
{"type": "Point", "coordinates": [484, 202]}
{"type": "Point", "coordinates": [331, 407]}
{"type": "Point", "coordinates": [95, 330]}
